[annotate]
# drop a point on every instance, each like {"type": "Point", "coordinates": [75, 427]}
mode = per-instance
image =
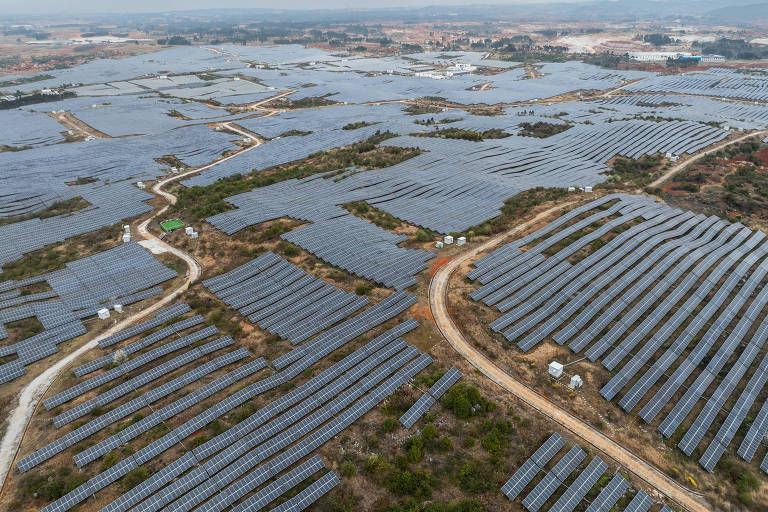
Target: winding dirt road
{"type": "Point", "coordinates": [688, 161]}
{"type": "Point", "coordinates": [31, 395]}
{"type": "Point", "coordinates": [437, 302]}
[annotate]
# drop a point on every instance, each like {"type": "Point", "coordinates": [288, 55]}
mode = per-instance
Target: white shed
{"type": "Point", "coordinates": [118, 308]}
{"type": "Point", "coordinates": [448, 240]}
{"type": "Point", "coordinates": [555, 369]}
{"type": "Point", "coordinates": [576, 381]}
{"type": "Point", "coordinates": [461, 240]}
{"type": "Point", "coordinates": [126, 238]}
{"type": "Point", "coordinates": [103, 313]}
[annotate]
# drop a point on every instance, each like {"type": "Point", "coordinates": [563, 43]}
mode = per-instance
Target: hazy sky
{"type": "Point", "coordinates": [98, 6]}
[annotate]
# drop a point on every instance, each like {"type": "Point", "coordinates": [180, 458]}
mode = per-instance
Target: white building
{"type": "Point", "coordinates": [448, 240]}
{"type": "Point", "coordinates": [712, 58]}
{"type": "Point", "coordinates": [576, 382]}
{"type": "Point", "coordinates": [659, 56]}
{"type": "Point", "coordinates": [103, 313]}
{"type": "Point", "coordinates": [555, 369]}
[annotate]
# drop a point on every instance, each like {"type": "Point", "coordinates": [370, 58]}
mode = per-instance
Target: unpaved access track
{"type": "Point", "coordinates": [438, 288]}
{"type": "Point", "coordinates": [688, 161]}
{"type": "Point", "coordinates": [31, 395]}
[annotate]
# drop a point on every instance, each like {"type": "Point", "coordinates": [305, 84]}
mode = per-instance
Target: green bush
{"type": "Point", "coordinates": [475, 477]}
{"type": "Point", "coordinates": [445, 444]}
{"type": "Point", "coordinates": [291, 251]}
{"type": "Point", "coordinates": [496, 439]}
{"type": "Point", "coordinates": [414, 448]}
{"type": "Point", "coordinates": [110, 459]}
{"type": "Point", "coordinates": [376, 464]}
{"type": "Point", "coordinates": [348, 469]}
{"type": "Point", "coordinates": [389, 425]}
{"type": "Point", "coordinates": [465, 401]}
{"type": "Point", "coordinates": [429, 432]}
{"type": "Point", "coordinates": [411, 483]}
{"type": "Point", "coordinates": [362, 289]}
{"type": "Point", "coordinates": [216, 427]}
{"type": "Point", "coordinates": [423, 236]}
{"type": "Point", "coordinates": [134, 477]}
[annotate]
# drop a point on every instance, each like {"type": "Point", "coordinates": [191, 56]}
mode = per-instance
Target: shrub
{"type": "Point", "coordinates": [348, 469]}
{"type": "Point", "coordinates": [135, 477]}
{"type": "Point", "coordinates": [423, 236]}
{"type": "Point", "coordinates": [291, 251]}
{"type": "Point", "coordinates": [414, 448]}
{"type": "Point", "coordinates": [362, 289]}
{"type": "Point", "coordinates": [376, 464]}
{"type": "Point", "coordinates": [465, 401]}
{"type": "Point", "coordinates": [389, 425]}
{"type": "Point", "coordinates": [412, 483]}
{"type": "Point", "coordinates": [445, 444]}
{"type": "Point", "coordinates": [110, 459]}
{"type": "Point", "coordinates": [475, 477]}
{"type": "Point", "coordinates": [429, 432]}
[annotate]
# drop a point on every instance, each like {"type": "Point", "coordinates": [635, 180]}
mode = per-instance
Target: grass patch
{"type": "Point", "coordinates": [542, 129]}
{"type": "Point", "coordinates": [66, 207]}
{"type": "Point", "coordinates": [458, 133]}
{"type": "Point", "coordinates": [202, 202]}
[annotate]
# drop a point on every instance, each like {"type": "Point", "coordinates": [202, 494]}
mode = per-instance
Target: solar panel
{"type": "Point", "coordinates": [640, 503]}
{"type": "Point", "coordinates": [609, 495]}
{"type": "Point", "coordinates": [417, 410]}
{"type": "Point", "coordinates": [579, 488]}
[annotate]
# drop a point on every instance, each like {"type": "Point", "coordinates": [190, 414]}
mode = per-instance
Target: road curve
{"type": "Point", "coordinates": [438, 288]}
{"type": "Point", "coordinates": [31, 395]}
{"type": "Point", "coordinates": [688, 161]}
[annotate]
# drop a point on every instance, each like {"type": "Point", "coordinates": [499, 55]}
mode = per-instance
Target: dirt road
{"type": "Point", "coordinates": [437, 302]}
{"type": "Point", "coordinates": [31, 395]}
{"type": "Point", "coordinates": [685, 163]}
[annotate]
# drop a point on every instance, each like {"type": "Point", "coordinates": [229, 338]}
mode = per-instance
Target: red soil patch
{"type": "Point", "coordinates": [421, 312]}
{"type": "Point", "coordinates": [439, 262]}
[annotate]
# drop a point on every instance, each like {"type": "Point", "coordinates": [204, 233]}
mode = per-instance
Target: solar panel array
{"type": "Point", "coordinates": [426, 400]}
{"type": "Point", "coordinates": [537, 462]}
{"type": "Point", "coordinates": [139, 344]}
{"type": "Point", "coordinates": [282, 298]}
{"type": "Point", "coordinates": [109, 204]}
{"type": "Point", "coordinates": [575, 489]}
{"type": "Point", "coordinates": [124, 275]}
{"type": "Point", "coordinates": [309, 495]}
{"type": "Point", "coordinates": [121, 369]}
{"type": "Point", "coordinates": [161, 316]}
{"type": "Point", "coordinates": [554, 479]}
{"type": "Point", "coordinates": [232, 465]}
{"type": "Point", "coordinates": [335, 236]}
{"type": "Point", "coordinates": [720, 82]}
{"type": "Point", "coordinates": [82, 432]}
{"type": "Point", "coordinates": [670, 296]}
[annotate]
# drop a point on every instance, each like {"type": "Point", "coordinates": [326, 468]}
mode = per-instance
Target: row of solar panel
{"type": "Point", "coordinates": [329, 430]}
{"type": "Point", "coordinates": [283, 299]}
{"type": "Point", "coordinates": [577, 490]}
{"type": "Point", "coordinates": [667, 272]}
{"type": "Point", "coordinates": [426, 400]}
